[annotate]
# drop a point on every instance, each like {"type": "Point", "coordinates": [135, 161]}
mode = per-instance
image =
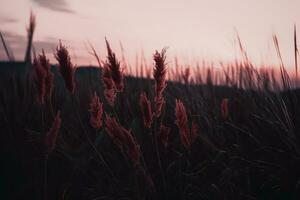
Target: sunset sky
{"type": "Point", "coordinates": [192, 29]}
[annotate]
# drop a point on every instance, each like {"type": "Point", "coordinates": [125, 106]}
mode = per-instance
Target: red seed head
{"type": "Point", "coordinates": [96, 111]}
{"type": "Point", "coordinates": [66, 67]}
{"type": "Point", "coordinates": [49, 75]}
{"type": "Point", "coordinates": [224, 109]}
{"type": "Point", "coordinates": [52, 133]}
{"type": "Point", "coordinates": [114, 131]}
{"type": "Point", "coordinates": [182, 123]}
{"type": "Point", "coordinates": [115, 69]}
{"type": "Point", "coordinates": [159, 74]}
{"type": "Point", "coordinates": [164, 133]}
{"type": "Point", "coordinates": [123, 139]}
{"type": "Point", "coordinates": [40, 80]}
{"type": "Point", "coordinates": [109, 91]}
{"type": "Point", "coordinates": [145, 107]}
{"type": "Point", "coordinates": [132, 149]}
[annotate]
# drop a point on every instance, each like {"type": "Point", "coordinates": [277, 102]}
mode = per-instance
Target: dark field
{"type": "Point", "coordinates": [248, 148]}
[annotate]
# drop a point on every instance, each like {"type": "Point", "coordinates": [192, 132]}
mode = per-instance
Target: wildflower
{"type": "Point", "coordinates": [96, 111]}
{"type": "Point", "coordinates": [51, 136]}
{"type": "Point", "coordinates": [145, 106]}
{"type": "Point", "coordinates": [224, 109]}
{"type": "Point", "coordinates": [66, 67]}
{"type": "Point", "coordinates": [159, 74]}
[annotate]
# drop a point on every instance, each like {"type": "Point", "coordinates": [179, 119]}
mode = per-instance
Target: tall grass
{"type": "Point", "coordinates": [192, 132]}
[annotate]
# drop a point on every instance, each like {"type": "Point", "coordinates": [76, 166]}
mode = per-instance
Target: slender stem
{"type": "Point", "coordinates": [180, 174]}
{"type": "Point", "coordinates": [45, 152]}
{"type": "Point", "coordinates": [45, 173]}
{"type": "Point", "coordinates": [157, 153]}
{"type": "Point", "coordinates": [51, 106]}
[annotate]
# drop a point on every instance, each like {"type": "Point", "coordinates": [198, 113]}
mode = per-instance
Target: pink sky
{"type": "Point", "coordinates": [192, 29]}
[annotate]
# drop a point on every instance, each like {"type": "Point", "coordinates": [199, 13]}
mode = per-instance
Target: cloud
{"type": "Point", "coordinates": [17, 44]}
{"type": "Point", "coordinates": [55, 5]}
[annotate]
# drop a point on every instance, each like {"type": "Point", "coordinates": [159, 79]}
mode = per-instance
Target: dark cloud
{"type": "Point", "coordinates": [17, 44]}
{"type": "Point", "coordinates": [55, 5]}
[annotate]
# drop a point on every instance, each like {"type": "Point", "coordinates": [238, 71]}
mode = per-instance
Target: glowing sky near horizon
{"type": "Point", "coordinates": [192, 29]}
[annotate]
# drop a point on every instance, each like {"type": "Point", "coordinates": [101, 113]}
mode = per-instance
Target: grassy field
{"type": "Point", "coordinates": [94, 133]}
{"type": "Point", "coordinates": [169, 132]}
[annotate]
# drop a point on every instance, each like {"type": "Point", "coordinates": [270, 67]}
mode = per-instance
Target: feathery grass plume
{"type": "Point", "coordinates": [96, 111]}
{"type": "Point", "coordinates": [123, 139]}
{"type": "Point", "coordinates": [52, 133]}
{"type": "Point", "coordinates": [115, 69]}
{"type": "Point", "coordinates": [30, 32]}
{"type": "Point", "coordinates": [66, 67]}
{"type": "Point", "coordinates": [123, 57]}
{"type": "Point", "coordinates": [132, 148]}
{"type": "Point", "coordinates": [109, 91]}
{"type": "Point", "coordinates": [224, 109]}
{"type": "Point", "coordinates": [159, 74]}
{"type": "Point", "coordinates": [114, 131]}
{"type": "Point", "coordinates": [40, 80]}
{"type": "Point", "coordinates": [44, 62]}
{"type": "Point", "coordinates": [188, 137]}
{"type": "Point", "coordinates": [145, 106]}
{"type": "Point", "coordinates": [182, 123]}
{"type": "Point", "coordinates": [164, 133]}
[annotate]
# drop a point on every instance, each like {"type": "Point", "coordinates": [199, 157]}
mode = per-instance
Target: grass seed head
{"type": "Point", "coordinates": [164, 133]}
{"type": "Point", "coordinates": [96, 112]}
{"type": "Point", "coordinates": [52, 133]}
{"type": "Point", "coordinates": [66, 67]}
{"type": "Point", "coordinates": [115, 69]}
{"type": "Point", "coordinates": [159, 74]}
{"type": "Point", "coordinates": [145, 106]}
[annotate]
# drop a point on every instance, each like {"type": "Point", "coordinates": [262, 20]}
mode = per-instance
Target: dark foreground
{"type": "Point", "coordinates": [252, 154]}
